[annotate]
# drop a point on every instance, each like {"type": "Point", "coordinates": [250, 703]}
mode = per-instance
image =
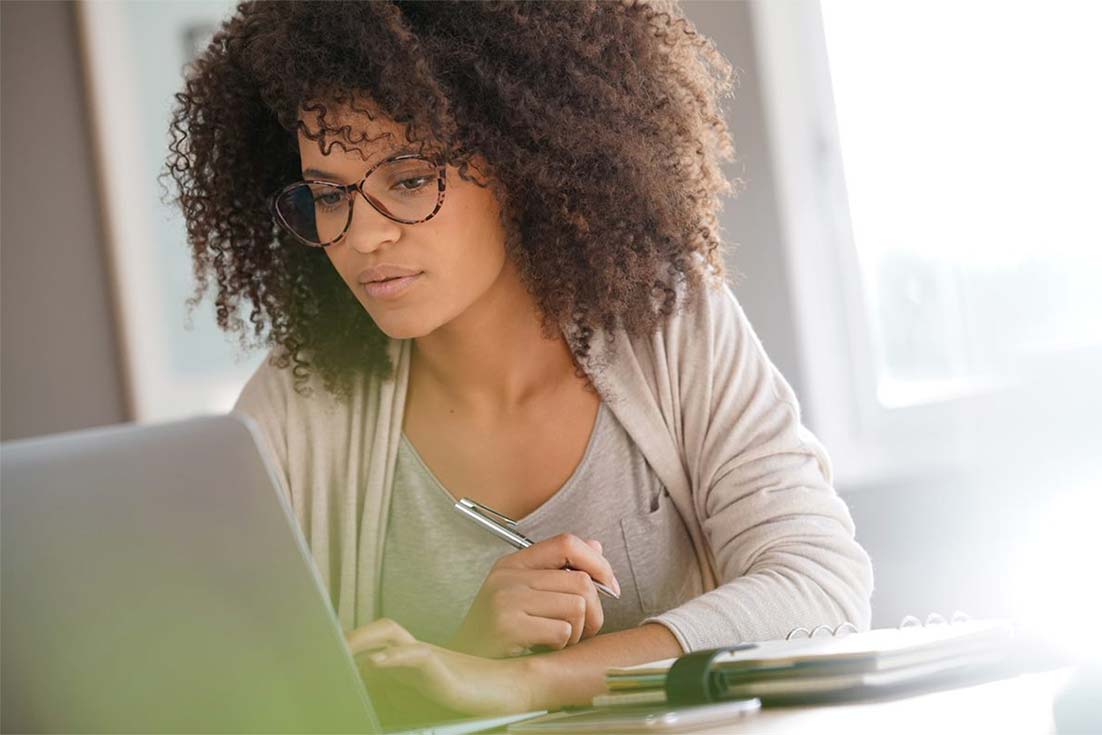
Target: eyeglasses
{"type": "Point", "coordinates": [406, 188]}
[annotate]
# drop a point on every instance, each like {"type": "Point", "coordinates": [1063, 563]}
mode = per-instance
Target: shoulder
{"type": "Point", "coordinates": [705, 349]}
{"type": "Point", "coordinates": [706, 327]}
{"type": "Point", "coordinates": [269, 389]}
{"type": "Point", "coordinates": [710, 311]}
{"type": "Point", "coordinates": [712, 353]}
{"type": "Point", "coordinates": [276, 392]}
{"type": "Point", "coordinates": [702, 334]}
{"type": "Point", "coordinates": [279, 394]}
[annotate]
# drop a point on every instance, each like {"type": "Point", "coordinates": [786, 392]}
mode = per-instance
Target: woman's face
{"type": "Point", "coordinates": [457, 255]}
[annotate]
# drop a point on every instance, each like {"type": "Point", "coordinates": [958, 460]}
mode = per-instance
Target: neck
{"type": "Point", "coordinates": [493, 359]}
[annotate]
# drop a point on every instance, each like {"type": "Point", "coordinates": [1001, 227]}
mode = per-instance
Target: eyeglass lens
{"type": "Point", "coordinates": [405, 189]}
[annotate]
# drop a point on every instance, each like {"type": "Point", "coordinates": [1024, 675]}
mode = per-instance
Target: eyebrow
{"type": "Point", "coordinates": [317, 173]}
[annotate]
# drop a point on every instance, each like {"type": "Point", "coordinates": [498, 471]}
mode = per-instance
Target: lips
{"type": "Point", "coordinates": [385, 272]}
{"type": "Point", "coordinates": [390, 288]}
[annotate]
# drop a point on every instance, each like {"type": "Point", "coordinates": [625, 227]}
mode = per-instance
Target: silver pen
{"type": "Point", "coordinates": [485, 517]}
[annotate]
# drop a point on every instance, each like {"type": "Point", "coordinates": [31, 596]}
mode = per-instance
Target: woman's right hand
{"type": "Point", "coordinates": [529, 600]}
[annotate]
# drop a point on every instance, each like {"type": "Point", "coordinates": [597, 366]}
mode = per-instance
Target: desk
{"type": "Point", "coordinates": [1022, 704]}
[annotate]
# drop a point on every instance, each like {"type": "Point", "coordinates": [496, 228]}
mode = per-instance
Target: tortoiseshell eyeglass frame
{"type": "Point", "coordinates": [348, 189]}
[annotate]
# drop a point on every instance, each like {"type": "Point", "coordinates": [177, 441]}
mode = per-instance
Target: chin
{"type": "Point", "coordinates": [406, 326]}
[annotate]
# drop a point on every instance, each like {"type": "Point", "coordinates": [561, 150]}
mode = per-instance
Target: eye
{"type": "Point", "coordinates": [413, 184]}
{"type": "Point", "coordinates": [329, 199]}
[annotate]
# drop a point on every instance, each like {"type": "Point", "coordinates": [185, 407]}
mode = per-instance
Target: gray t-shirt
{"type": "Point", "coordinates": [435, 559]}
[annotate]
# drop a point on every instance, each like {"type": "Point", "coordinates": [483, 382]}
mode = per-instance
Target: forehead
{"type": "Point", "coordinates": [357, 132]}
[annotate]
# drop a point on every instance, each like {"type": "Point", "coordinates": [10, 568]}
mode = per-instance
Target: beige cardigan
{"type": "Point", "coordinates": [713, 417]}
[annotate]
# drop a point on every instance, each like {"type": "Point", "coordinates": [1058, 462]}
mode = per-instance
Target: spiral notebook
{"type": "Point", "coordinates": [818, 664]}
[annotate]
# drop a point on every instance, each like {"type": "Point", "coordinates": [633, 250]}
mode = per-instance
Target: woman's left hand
{"type": "Point", "coordinates": [458, 681]}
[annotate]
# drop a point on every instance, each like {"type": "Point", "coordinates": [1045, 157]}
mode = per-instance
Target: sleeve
{"type": "Point", "coordinates": [782, 539]}
{"type": "Point", "coordinates": [264, 400]}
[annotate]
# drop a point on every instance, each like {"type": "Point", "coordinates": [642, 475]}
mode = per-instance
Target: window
{"type": "Point", "coordinates": [970, 142]}
{"type": "Point", "coordinates": [936, 171]}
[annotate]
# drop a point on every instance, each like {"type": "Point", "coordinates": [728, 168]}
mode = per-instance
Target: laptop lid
{"type": "Point", "coordinates": [154, 579]}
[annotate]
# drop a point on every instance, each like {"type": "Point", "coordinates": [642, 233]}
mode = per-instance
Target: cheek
{"type": "Point", "coordinates": [461, 268]}
{"type": "Point", "coordinates": [341, 265]}
{"type": "Point", "coordinates": [473, 262]}
{"type": "Point", "coordinates": [471, 240]}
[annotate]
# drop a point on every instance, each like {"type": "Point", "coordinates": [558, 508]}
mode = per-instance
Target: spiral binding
{"type": "Point", "coordinates": [908, 621]}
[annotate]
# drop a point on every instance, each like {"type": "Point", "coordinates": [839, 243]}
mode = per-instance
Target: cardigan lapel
{"type": "Point", "coordinates": [631, 385]}
{"type": "Point", "coordinates": [392, 406]}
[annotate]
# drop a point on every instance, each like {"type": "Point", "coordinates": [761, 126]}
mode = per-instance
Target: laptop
{"type": "Point", "coordinates": [155, 580]}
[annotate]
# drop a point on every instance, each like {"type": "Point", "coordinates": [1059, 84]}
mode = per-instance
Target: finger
{"type": "Point", "coordinates": [414, 663]}
{"type": "Point", "coordinates": [562, 606]}
{"type": "Point", "coordinates": [408, 655]}
{"type": "Point", "coordinates": [573, 583]}
{"type": "Point", "coordinates": [378, 634]}
{"type": "Point", "coordinates": [577, 554]}
{"type": "Point", "coordinates": [596, 545]}
{"type": "Point", "coordinates": [566, 549]}
{"type": "Point", "coordinates": [551, 632]}
{"type": "Point", "coordinates": [594, 609]}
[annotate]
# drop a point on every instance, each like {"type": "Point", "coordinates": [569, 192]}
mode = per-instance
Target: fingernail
{"type": "Point", "coordinates": [616, 585]}
{"type": "Point", "coordinates": [377, 658]}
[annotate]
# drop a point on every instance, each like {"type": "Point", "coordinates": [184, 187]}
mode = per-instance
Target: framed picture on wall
{"type": "Point", "coordinates": [134, 56]}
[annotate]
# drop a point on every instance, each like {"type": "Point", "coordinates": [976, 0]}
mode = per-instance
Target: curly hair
{"type": "Point", "coordinates": [601, 121]}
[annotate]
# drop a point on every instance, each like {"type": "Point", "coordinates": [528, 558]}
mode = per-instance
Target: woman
{"type": "Point", "coordinates": [481, 242]}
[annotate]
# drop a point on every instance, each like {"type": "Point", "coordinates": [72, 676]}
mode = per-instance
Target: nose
{"type": "Point", "coordinates": [369, 228]}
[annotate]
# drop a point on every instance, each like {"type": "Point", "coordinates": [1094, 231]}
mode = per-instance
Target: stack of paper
{"type": "Point", "coordinates": [811, 668]}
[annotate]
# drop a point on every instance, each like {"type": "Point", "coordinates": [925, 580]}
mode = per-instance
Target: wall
{"type": "Point", "coordinates": [756, 260]}
{"type": "Point", "coordinates": [60, 366]}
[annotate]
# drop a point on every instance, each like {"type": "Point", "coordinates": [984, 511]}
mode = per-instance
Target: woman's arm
{"type": "Point", "coordinates": [782, 540]}
{"type": "Point", "coordinates": [390, 659]}
{"type": "Point", "coordinates": [574, 675]}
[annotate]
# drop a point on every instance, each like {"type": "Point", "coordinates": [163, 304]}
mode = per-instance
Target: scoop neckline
{"type": "Point", "coordinates": [540, 509]}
